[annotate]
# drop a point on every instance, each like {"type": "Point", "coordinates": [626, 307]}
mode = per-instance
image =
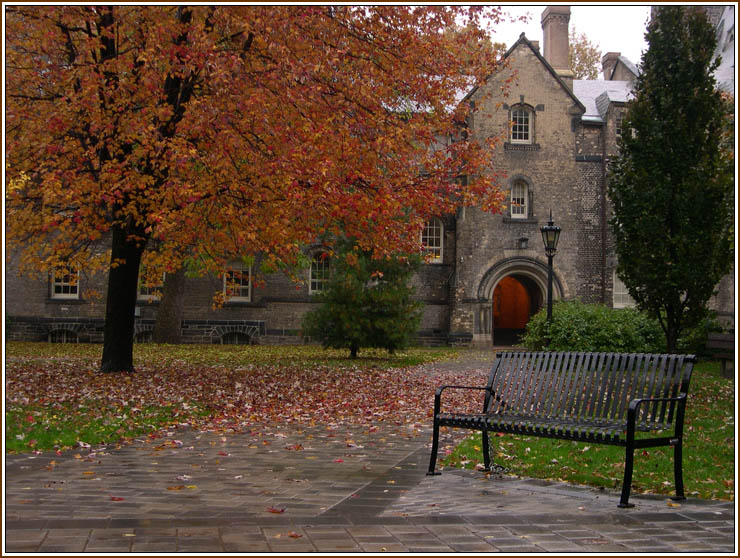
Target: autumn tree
{"type": "Point", "coordinates": [366, 302]}
{"type": "Point", "coordinates": [217, 131]}
{"type": "Point", "coordinates": [584, 57]}
{"type": "Point", "coordinates": [672, 183]}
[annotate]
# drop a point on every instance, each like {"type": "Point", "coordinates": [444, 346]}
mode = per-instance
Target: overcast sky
{"type": "Point", "coordinates": [614, 28]}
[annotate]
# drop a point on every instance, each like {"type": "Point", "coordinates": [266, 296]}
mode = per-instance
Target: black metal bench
{"type": "Point", "coordinates": [599, 398]}
{"type": "Point", "coordinates": [722, 346]}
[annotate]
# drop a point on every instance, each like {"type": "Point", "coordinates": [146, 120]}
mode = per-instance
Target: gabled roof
{"type": "Point", "coordinates": [596, 95]}
{"type": "Point", "coordinates": [524, 41]}
{"type": "Point", "coordinates": [628, 64]}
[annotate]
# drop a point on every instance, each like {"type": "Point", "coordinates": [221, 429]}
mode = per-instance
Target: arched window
{"type": "Point", "coordinates": [519, 204]}
{"type": "Point", "coordinates": [319, 273]}
{"type": "Point", "coordinates": [522, 125]}
{"type": "Point", "coordinates": [432, 239]}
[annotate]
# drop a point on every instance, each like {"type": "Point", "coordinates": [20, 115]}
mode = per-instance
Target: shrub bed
{"type": "Point", "coordinates": [593, 327]}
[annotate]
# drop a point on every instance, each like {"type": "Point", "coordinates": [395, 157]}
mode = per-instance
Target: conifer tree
{"type": "Point", "coordinates": [671, 184]}
{"type": "Point", "coordinates": [366, 303]}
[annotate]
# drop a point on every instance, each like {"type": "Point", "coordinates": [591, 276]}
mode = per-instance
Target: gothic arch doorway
{"type": "Point", "coordinates": [515, 299]}
{"type": "Point", "coordinates": [510, 292]}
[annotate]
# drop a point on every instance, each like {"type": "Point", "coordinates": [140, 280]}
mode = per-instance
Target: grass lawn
{"type": "Point", "coordinates": [55, 398]}
{"type": "Point", "coordinates": [708, 455]}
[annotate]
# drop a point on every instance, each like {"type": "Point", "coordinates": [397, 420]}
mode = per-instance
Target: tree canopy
{"type": "Point", "coordinates": [672, 183]}
{"type": "Point", "coordinates": [584, 57]}
{"type": "Point", "coordinates": [218, 131]}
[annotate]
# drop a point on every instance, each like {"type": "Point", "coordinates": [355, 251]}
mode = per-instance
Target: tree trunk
{"type": "Point", "coordinates": [123, 279]}
{"type": "Point", "coordinates": [353, 349]}
{"type": "Point", "coordinates": [167, 328]}
{"type": "Point", "coordinates": [671, 340]}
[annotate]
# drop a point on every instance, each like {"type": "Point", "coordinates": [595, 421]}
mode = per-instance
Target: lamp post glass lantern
{"type": "Point", "coordinates": [550, 236]}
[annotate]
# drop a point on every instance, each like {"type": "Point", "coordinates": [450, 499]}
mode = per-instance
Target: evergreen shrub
{"type": "Point", "coordinates": [593, 327]}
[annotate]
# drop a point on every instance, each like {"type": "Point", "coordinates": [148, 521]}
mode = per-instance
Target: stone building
{"type": "Point", "coordinates": [488, 274]}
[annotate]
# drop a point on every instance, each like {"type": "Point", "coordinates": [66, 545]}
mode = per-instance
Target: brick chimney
{"type": "Point", "coordinates": [555, 21]}
{"type": "Point", "coordinates": [608, 63]}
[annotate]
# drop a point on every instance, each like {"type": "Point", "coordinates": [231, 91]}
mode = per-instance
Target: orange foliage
{"type": "Point", "coordinates": [229, 130]}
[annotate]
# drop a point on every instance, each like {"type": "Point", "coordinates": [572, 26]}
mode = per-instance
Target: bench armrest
{"type": "Point", "coordinates": [634, 405]}
{"type": "Point", "coordinates": [438, 395]}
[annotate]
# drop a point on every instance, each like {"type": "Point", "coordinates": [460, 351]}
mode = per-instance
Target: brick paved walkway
{"type": "Point", "coordinates": [294, 489]}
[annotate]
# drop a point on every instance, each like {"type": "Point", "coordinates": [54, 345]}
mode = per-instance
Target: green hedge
{"type": "Point", "coordinates": [593, 327]}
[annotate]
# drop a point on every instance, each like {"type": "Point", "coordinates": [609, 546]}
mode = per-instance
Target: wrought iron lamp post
{"type": "Point", "coordinates": [550, 236]}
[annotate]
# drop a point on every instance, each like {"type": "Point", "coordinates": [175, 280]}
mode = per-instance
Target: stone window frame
{"type": "Point", "coordinates": [528, 216]}
{"type": "Point", "coordinates": [317, 282]}
{"type": "Point", "coordinates": [58, 284]}
{"type": "Point", "coordinates": [530, 112]}
{"type": "Point", "coordinates": [519, 191]}
{"type": "Point", "coordinates": [231, 285]}
{"type": "Point", "coordinates": [434, 229]}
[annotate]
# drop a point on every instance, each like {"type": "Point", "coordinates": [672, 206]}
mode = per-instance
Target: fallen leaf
{"type": "Point", "coordinates": [117, 498]}
{"type": "Point", "coordinates": [339, 460]}
{"type": "Point", "coordinates": [275, 510]}
{"type": "Point", "coordinates": [178, 487]}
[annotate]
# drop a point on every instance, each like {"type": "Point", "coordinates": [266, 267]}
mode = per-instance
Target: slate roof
{"type": "Point", "coordinates": [596, 94]}
{"type": "Point", "coordinates": [725, 73]}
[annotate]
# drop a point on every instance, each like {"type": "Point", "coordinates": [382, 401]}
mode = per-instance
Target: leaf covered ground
{"type": "Point", "coordinates": [55, 397]}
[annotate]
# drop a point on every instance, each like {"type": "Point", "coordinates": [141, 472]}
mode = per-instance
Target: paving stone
{"type": "Point", "coordinates": [383, 547]}
{"type": "Point", "coordinates": [154, 546]}
{"type": "Point", "coordinates": [335, 507]}
{"type": "Point", "coordinates": [335, 545]}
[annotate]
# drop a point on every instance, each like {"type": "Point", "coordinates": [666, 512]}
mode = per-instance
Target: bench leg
{"type": "Point", "coordinates": [486, 450]}
{"type": "Point", "coordinates": [629, 461]}
{"type": "Point", "coordinates": [678, 470]}
{"type": "Point", "coordinates": [435, 448]}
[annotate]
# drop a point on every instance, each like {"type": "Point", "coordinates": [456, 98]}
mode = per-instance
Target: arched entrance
{"type": "Point", "coordinates": [510, 293]}
{"type": "Point", "coordinates": [515, 299]}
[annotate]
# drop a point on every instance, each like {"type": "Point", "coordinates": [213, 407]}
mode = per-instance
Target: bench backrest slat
{"type": "Point", "coordinates": [602, 363]}
{"type": "Point", "coordinates": [583, 388]}
{"type": "Point", "coordinates": [588, 386]}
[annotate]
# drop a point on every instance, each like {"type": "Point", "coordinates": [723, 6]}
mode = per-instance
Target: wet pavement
{"type": "Point", "coordinates": [315, 489]}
